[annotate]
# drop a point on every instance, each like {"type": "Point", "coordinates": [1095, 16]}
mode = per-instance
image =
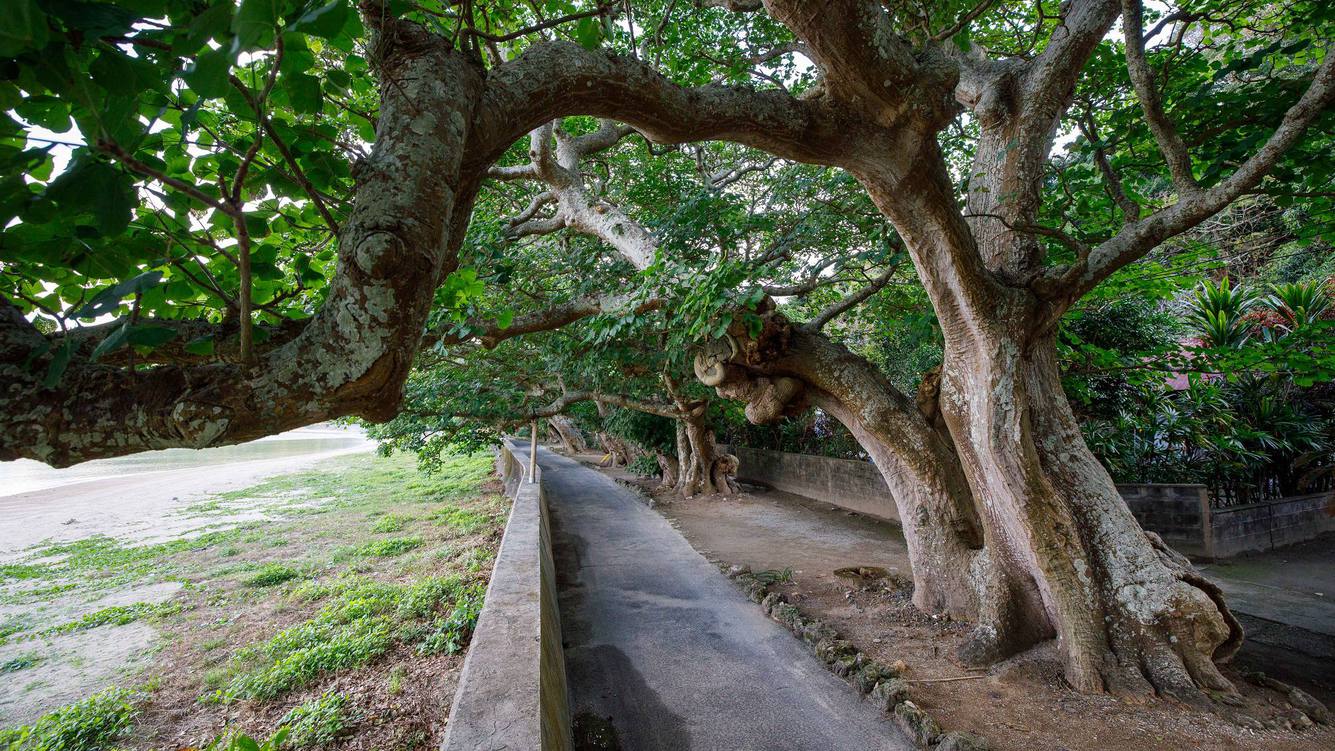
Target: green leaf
{"type": "Point", "coordinates": [114, 341]}
{"type": "Point", "coordinates": [150, 335]}
{"type": "Point", "coordinates": [59, 362]}
{"type": "Point", "coordinates": [24, 28]}
{"type": "Point", "coordinates": [110, 298]}
{"type": "Point", "coordinates": [207, 75]}
{"type": "Point", "coordinates": [505, 318]}
{"type": "Point", "coordinates": [963, 40]}
{"type": "Point", "coordinates": [304, 93]}
{"type": "Point", "coordinates": [589, 33]}
{"type": "Point", "coordinates": [322, 20]}
{"type": "Point", "coordinates": [254, 24]}
{"type": "Point", "coordinates": [201, 346]}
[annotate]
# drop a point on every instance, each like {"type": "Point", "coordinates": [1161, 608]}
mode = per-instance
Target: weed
{"type": "Point", "coordinates": [316, 722]}
{"type": "Point", "coordinates": [462, 520]}
{"type": "Point", "coordinates": [387, 548]}
{"type": "Point", "coordinates": [451, 634]}
{"type": "Point", "coordinates": [774, 576]}
{"type": "Point", "coordinates": [271, 575]}
{"type": "Point", "coordinates": [396, 676]}
{"type": "Point", "coordinates": [391, 523]}
{"type": "Point", "coordinates": [212, 644]}
{"type": "Point", "coordinates": [20, 662]}
{"type": "Point", "coordinates": [89, 725]}
{"type": "Point", "coordinates": [14, 625]}
{"type": "Point", "coordinates": [360, 623]}
{"type": "Point", "coordinates": [116, 615]}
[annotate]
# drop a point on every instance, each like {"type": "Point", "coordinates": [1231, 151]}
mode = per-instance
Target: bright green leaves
{"type": "Point", "coordinates": [589, 33]}
{"type": "Point", "coordinates": [163, 95]}
{"type": "Point", "coordinates": [303, 92]}
{"type": "Point", "coordinates": [148, 336]}
{"type": "Point", "coordinates": [24, 27]}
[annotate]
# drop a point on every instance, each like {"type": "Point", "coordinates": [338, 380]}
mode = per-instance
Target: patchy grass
{"type": "Point", "coordinates": [300, 610]}
{"type": "Point", "coordinates": [271, 575]}
{"type": "Point", "coordinates": [391, 523]}
{"type": "Point", "coordinates": [116, 615]}
{"type": "Point", "coordinates": [364, 620]}
{"type": "Point", "coordinates": [89, 725]}
{"type": "Point", "coordinates": [464, 521]}
{"type": "Point", "coordinates": [20, 662]}
{"type": "Point", "coordinates": [318, 722]}
{"type": "Point", "coordinates": [386, 548]}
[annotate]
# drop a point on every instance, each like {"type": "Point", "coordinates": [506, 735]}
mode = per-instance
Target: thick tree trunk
{"type": "Point", "coordinates": [571, 438]}
{"type": "Point", "coordinates": [1129, 615]}
{"type": "Point", "coordinates": [785, 368]}
{"type": "Point", "coordinates": [684, 458]}
{"type": "Point", "coordinates": [671, 469]}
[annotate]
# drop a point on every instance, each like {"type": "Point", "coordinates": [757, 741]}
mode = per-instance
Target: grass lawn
{"type": "Point", "coordinates": [336, 615]}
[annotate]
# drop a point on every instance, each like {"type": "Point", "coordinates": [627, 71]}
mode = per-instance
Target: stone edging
{"type": "Point", "coordinates": [882, 684]}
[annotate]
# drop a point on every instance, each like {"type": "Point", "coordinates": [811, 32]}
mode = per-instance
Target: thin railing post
{"type": "Point", "coordinates": [532, 451]}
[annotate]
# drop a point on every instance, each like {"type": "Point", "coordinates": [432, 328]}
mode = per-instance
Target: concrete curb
{"type": "Point", "coordinates": [512, 693]}
{"type": "Point", "coordinates": [880, 683]}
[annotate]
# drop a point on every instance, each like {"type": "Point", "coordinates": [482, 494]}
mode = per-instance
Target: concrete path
{"type": "Point", "coordinates": [663, 645]}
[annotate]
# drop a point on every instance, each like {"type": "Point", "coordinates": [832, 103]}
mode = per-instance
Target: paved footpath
{"type": "Point", "coordinates": [663, 645]}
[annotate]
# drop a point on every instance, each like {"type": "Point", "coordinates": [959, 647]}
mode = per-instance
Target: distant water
{"type": "Point", "coordinates": [25, 475]}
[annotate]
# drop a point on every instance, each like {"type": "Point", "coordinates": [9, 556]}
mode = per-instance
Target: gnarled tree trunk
{"type": "Point", "coordinates": [785, 368]}
{"type": "Point", "coordinates": [1129, 616]}
{"type": "Point", "coordinates": [570, 436]}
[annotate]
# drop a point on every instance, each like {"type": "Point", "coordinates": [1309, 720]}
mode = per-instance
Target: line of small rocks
{"type": "Point", "coordinates": [882, 684]}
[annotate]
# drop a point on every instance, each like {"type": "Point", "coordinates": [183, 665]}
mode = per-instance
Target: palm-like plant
{"type": "Point", "coordinates": [1217, 312]}
{"type": "Point", "coordinates": [1299, 304]}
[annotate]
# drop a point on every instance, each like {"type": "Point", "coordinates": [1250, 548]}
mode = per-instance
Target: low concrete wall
{"type": "Point", "coordinates": [846, 483]}
{"type": "Point", "coordinates": [512, 694]}
{"type": "Point", "coordinates": [1181, 514]}
{"type": "Point", "coordinates": [1272, 524]}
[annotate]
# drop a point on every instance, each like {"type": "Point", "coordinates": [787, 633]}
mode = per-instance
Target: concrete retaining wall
{"type": "Point", "coordinates": [847, 483]}
{"type": "Point", "coordinates": [512, 693]}
{"type": "Point", "coordinates": [1181, 514]}
{"type": "Point", "coordinates": [1272, 524]}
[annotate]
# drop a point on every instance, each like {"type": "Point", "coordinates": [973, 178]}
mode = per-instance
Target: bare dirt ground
{"type": "Point", "coordinates": [336, 602]}
{"type": "Point", "coordinates": [1021, 705]}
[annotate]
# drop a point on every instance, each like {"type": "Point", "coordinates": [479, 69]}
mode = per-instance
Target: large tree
{"type": "Point", "coordinates": [946, 116]}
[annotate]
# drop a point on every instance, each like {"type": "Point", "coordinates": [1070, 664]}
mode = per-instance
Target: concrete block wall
{"type": "Point", "coordinates": [1178, 513]}
{"type": "Point", "coordinates": [1181, 514]}
{"type": "Point", "coordinates": [847, 483]}
{"type": "Point", "coordinates": [1272, 524]}
{"type": "Point", "coordinates": [512, 693]}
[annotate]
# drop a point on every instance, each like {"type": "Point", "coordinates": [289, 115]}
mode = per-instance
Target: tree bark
{"type": "Point", "coordinates": [1129, 618]}
{"type": "Point", "coordinates": [570, 436]}
{"type": "Point", "coordinates": [413, 198]}
{"type": "Point", "coordinates": [941, 528]}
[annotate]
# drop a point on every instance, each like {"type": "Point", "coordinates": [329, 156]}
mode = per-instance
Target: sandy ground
{"type": "Point", "coordinates": [1022, 705]}
{"type": "Point", "coordinates": [134, 498]}
{"type": "Point", "coordinates": [142, 499]}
